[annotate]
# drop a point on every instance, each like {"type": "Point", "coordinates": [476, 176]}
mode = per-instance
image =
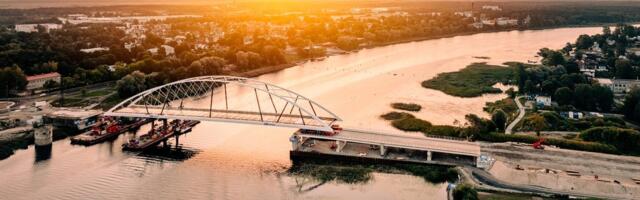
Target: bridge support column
{"type": "Point", "coordinates": [382, 150]}
{"type": "Point", "coordinates": [429, 155]}
{"type": "Point", "coordinates": [177, 140]}
{"type": "Point", "coordinates": [340, 145]}
{"type": "Point", "coordinates": [296, 142]}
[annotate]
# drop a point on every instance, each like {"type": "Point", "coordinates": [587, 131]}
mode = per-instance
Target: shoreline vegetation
{"type": "Point", "coordinates": [355, 173]}
{"type": "Point", "coordinates": [474, 80]}
{"type": "Point", "coordinates": [407, 106]}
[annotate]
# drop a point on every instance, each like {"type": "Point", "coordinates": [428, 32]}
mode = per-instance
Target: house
{"type": "Point", "coordinates": [619, 86]}
{"type": "Point", "coordinates": [543, 101]}
{"type": "Point", "coordinates": [36, 82]}
{"type": "Point", "coordinates": [572, 115]}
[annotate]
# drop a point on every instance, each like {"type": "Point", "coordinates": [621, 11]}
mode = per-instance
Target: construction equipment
{"type": "Point", "coordinates": [538, 144]}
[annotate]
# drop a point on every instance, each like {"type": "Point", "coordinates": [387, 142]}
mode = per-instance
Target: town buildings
{"type": "Point", "coordinates": [28, 28]}
{"type": "Point", "coordinates": [37, 82]}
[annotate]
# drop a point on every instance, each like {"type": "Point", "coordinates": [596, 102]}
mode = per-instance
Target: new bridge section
{"type": "Point", "coordinates": [392, 146]}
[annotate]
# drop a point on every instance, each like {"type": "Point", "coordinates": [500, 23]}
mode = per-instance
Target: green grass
{"type": "Point", "coordinates": [407, 106]}
{"type": "Point", "coordinates": [98, 93]}
{"type": "Point", "coordinates": [69, 102]}
{"type": "Point", "coordinates": [110, 102]}
{"type": "Point", "coordinates": [472, 81]}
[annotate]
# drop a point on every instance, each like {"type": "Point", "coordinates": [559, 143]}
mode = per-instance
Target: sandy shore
{"type": "Point", "coordinates": [568, 171]}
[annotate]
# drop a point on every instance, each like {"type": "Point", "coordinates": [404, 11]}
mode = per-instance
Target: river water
{"type": "Point", "coordinates": [228, 161]}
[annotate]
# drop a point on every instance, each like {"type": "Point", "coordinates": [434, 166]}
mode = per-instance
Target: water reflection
{"type": "Point", "coordinates": [169, 153]}
{"type": "Point", "coordinates": [43, 152]}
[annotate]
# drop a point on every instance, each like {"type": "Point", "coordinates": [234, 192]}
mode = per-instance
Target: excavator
{"type": "Point", "coordinates": [538, 144]}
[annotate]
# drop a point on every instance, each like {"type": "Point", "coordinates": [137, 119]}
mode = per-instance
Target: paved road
{"type": "Point", "coordinates": [521, 112]}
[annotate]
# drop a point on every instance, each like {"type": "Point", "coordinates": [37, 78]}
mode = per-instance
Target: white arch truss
{"type": "Point", "coordinates": [210, 98]}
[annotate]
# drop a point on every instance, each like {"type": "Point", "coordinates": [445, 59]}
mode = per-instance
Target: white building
{"type": "Point", "coordinates": [92, 50]}
{"type": "Point", "coordinates": [168, 50]}
{"type": "Point", "coordinates": [464, 13]}
{"type": "Point", "coordinates": [38, 81]}
{"type": "Point", "coordinates": [503, 21]}
{"type": "Point", "coordinates": [28, 28]}
{"type": "Point", "coordinates": [619, 86]}
{"type": "Point", "coordinates": [543, 100]}
{"type": "Point", "coordinates": [494, 8]}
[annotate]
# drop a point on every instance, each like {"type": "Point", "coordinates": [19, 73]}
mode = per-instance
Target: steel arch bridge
{"type": "Point", "coordinates": [227, 99]}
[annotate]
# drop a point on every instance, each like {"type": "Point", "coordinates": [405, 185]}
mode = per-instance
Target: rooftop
{"type": "Point", "coordinates": [41, 76]}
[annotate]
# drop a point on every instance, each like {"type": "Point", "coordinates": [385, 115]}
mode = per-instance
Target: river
{"type": "Point", "coordinates": [228, 161]}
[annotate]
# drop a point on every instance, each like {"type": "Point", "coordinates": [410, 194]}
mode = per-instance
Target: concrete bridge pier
{"type": "Point", "coordinates": [429, 156]}
{"type": "Point", "coordinates": [382, 150]}
{"type": "Point", "coordinates": [340, 145]}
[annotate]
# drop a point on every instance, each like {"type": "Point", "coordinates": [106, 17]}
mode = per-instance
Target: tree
{"type": "Point", "coordinates": [563, 96]}
{"type": "Point", "coordinates": [583, 96]}
{"type": "Point", "coordinates": [522, 76]}
{"type": "Point", "coordinates": [131, 84]}
{"type": "Point", "coordinates": [478, 126]}
{"type": "Point", "coordinates": [623, 69]}
{"type": "Point", "coordinates": [465, 192]}
{"type": "Point", "coordinates": [551, 57]}
{"type": "Point", "coordinates": [50, 84]}
{"type": "Point", "coordinates": [537, 123]}
{"type": "Point", "coordinates": [12, 79]}
{"type": "Point", "coordinates": [584, 42]}
{"type": "Point", "coordinates": [499, 118]}
{"type": "Point", "coordinates": [548, 87]}
{"type": "Point", "coordinates": [529, 87]}
{"type": "Point", "coordinates": [603, 97]}
{"type": "Point", "coordinates": [511, 92]}
{"type": "Point", "coordinates": [571, 67]}
{"type": "Point", "coordinates": [631, 101]}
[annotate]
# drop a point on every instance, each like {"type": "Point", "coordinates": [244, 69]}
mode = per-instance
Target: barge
{"type": "Point", "coordinates": [105, 129]}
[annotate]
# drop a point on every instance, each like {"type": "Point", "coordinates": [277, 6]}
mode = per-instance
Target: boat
{"type": "Point", "coordinates": [107, 128]}
{"type": "Point", "coordinates": [153, 137]}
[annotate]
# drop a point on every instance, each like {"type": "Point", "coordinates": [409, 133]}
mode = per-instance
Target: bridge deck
{"type": "Point", "coordinates": [282, 119]}
{"type": "Point", "coordinates": [403, 141]}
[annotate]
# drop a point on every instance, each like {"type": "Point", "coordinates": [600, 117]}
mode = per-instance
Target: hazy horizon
{"type": "Point", "coordinates": [28, 4]}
